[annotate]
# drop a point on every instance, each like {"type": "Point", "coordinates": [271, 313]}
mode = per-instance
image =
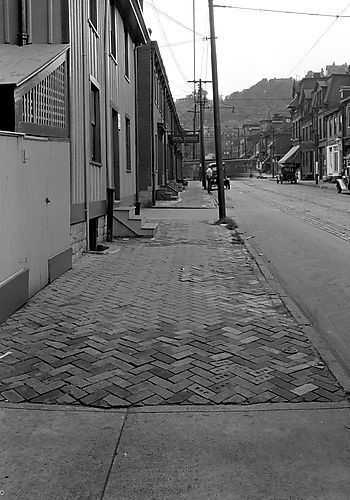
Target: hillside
{"type": "Point", "coordinates": [250, 105]}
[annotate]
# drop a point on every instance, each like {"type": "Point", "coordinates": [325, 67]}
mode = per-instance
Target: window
{"type": "Point", "coordinates": [93, 12]}
{"type": "Point", "coordinates": [126, 48]}
{"type": "Point", "coordinates": [128, 144]}
{"type": "Point", "coordinates": [113, 48]}
{"type": "Point", "coordinates": [95, 125]}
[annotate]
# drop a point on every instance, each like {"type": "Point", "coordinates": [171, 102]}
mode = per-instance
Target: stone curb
{"type": "Point", "coordinates": [231, 408]}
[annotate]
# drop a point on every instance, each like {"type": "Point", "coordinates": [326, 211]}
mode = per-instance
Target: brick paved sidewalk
{"type": "Point", "coordinates": [183, 318]}
{"type": "Point", "coordinates": [193, 196]}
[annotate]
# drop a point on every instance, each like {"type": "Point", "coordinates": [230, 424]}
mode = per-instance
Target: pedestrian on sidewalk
{"type": "Point", "coordinates": [227, 184]}
{"type": "Point", "coordinates": [209, 176]}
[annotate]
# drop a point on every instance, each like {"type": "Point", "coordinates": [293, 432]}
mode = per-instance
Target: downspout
{"type": "Point", "coordinates": [30, 22]}
{"type": "Point", "coordinates": [137, 156]}
{"type": "Point", "coordinates": [86, 126]}
{"type": "Point", "coordinates": [110, 189]}
{"type": "Point", "coordinates": [23, 35]}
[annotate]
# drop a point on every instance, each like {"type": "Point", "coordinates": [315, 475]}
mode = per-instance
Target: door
{"type": "Point", "coordinates": [37, 201]}
{"type": "Point", "coordinates": [160, 159]}
{"type": "Point", "coordinates": [115, 153]}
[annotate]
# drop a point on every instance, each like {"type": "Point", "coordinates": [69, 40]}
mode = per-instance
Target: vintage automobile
{"type": "Point", "coordinates": [288, 174]}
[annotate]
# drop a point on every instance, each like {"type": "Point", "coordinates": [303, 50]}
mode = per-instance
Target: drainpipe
{"type": "Point", "coordinates": [23, 35]}
{"type": "Point", "coordinates": [137, 159]}
{"type": "Point", "coordinates": [86, 128]}
{"type": "Point", "coordinates": [30, 22]}
{"type": "Point", "coordinates": [108, 127]}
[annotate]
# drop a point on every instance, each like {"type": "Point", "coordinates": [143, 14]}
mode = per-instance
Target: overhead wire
{"type": "Point", "coordinates": [276, 11]}
{"type": "Point", "coordinates": [171, 51]}
{"type": "Point", "coordinates": [319, 38]}
{"type": "Point", "coordinates": [173, 19]}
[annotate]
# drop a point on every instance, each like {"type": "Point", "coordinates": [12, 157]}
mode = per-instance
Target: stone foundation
{"type": "Point", "coordinates": [78, 239]}
{"type": "Point", "coordinates": [78, 236]}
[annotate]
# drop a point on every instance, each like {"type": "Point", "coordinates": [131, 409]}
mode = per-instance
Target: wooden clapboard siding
{"type": "Point", "coordinates": [95, 54]}
{"type": "Point", "coordinates": [8, 21]}
{"type": "Point", "coordinates": [76, 104]}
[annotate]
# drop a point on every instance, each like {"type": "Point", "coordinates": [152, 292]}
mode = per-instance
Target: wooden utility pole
{"type": "Point", "coordinates": [201, 133]}
{"type": "Point", "coordinates": [194, 78]}
{"type": "Point", "coordinates": [217, 124]}
{"type": "Point", "coordinates": [201, 129]}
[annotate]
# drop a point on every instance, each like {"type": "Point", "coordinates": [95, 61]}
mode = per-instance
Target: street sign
{"type": "Point", "coordinates": [185, 139]}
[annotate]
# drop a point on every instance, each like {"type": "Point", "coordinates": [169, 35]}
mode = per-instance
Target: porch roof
{"type": "Point", "coordinates": [17, 64]}
{"type": "Point", "coordinates": [289, 156]}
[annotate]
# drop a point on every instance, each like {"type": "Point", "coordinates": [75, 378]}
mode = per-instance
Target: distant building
{"type": "Point", "coordinates": [159, 130]}
{"type": "Point", "coordinates": [318, 115]}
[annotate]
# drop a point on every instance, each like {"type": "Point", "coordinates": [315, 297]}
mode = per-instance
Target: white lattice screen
{"type": "Point", "coordinates": [45, 104]}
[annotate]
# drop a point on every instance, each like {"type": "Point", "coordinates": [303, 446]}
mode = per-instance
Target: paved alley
{"type": "Point", "coordinates": [184, 318]}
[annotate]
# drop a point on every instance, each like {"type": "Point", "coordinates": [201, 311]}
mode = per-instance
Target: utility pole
{"type": "Point", "coordinates": [217, 124]}
{"type": "Point", "coordinates": [273, 152]}
{"type": "Point", "coordinates": [194, 78]}
{"type": "Point", "coordinates": [201, 129]}
{"type": "Point", "coordinates": [201, 133]}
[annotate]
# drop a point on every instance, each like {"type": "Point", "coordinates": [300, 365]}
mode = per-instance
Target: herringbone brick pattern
{"type": "Point", "coordinates": [183, 318]}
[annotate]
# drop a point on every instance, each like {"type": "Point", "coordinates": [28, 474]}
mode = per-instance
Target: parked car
{"type": "Point", "coordinates": [288, 174]}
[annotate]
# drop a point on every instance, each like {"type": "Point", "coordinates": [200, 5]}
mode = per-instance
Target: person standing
{"type": "Point", "coordinates": [209, 176]}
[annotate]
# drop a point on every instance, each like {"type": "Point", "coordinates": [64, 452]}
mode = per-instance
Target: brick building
{"type": "Point", "coordinates": [159, 131]}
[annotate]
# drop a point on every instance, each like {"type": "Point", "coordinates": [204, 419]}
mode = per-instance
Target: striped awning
{"type": "Point", "coordinates": [289, 156]}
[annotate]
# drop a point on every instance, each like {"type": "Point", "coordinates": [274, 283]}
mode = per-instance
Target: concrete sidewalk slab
{"type": "Point", "coordinates": [63, 454]}
{"type": "Point", "coordinates": [248, 454]}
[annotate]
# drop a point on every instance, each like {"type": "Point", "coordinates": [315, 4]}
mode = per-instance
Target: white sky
{"type": "Point", "coordinates": [250, 45]}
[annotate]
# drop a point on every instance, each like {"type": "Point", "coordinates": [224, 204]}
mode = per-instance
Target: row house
{"type": "Point", "coordinates": [318, 123]}
{"type": "Point", "coordinates": [264, 143]}
{"type": "Point", "coordinates": [160, 135]}
{"type": "Point", "coordinates": [68, 134]}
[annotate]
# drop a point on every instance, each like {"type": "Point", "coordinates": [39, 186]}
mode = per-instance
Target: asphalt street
{"type": "Point", "coordinates": [303, 236]}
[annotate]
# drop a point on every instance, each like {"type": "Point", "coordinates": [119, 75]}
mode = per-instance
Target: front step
{"type": "Point", "coordinates": [128, 225]}
{"type": "Point", "coordinates": [166, 195]}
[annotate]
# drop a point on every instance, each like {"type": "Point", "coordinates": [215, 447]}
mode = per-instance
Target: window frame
{"type": "Point", "coordinates": [128, 165]}
{"type": "Point", "coordinates": [93, 14]}
{"type": "Point", "coordinates": [126, 53]}
{"type": "Point", "coordinates": [113, 49]}
{"type": "Point", "coordinates": [95, 124]}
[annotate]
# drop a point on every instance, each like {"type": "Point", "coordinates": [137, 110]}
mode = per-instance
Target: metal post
{"type": "Point", "coordinates": [201, 119]}
{"type": "Point", "coordinates": [216, 104]}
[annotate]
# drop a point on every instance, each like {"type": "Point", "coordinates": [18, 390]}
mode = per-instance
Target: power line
{"type": "Point", "coordinates": [275, 11]}
{"type": "Point", "coordinates": [320, 37]}
{"type": "Point", "coordinates": [178, 67]}
{"type": "Point", "coordinates": [173, 19]}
